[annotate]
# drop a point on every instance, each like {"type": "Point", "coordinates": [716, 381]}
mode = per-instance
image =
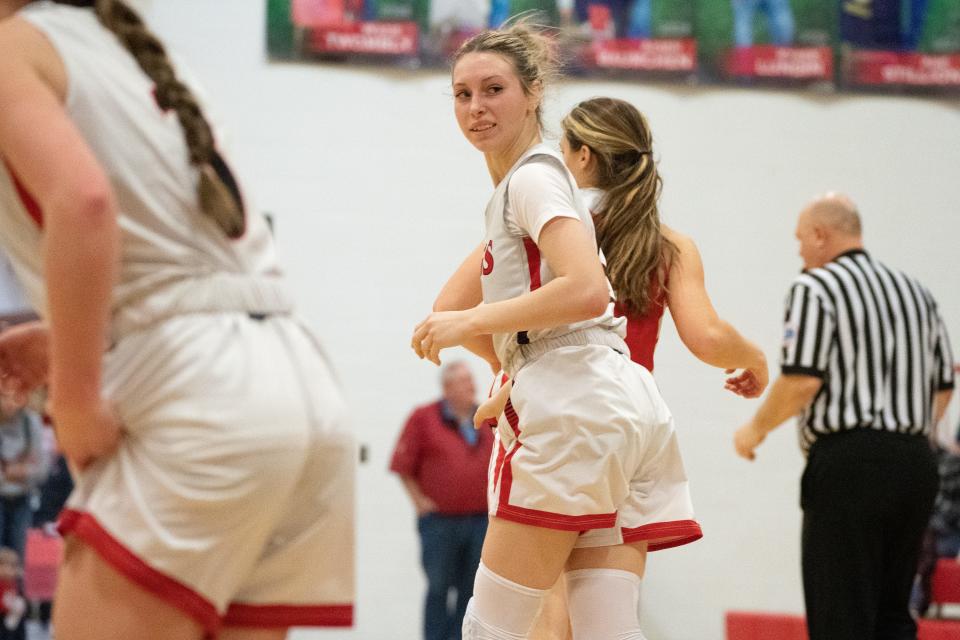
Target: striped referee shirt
{"type": "Point", "coordinates": [875, 338]}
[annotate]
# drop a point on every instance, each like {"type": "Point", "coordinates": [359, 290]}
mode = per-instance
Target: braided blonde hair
{"type": "Point", "coordinates": [217, 191]}
{"type": "Point", "coordinates": [628, 221]}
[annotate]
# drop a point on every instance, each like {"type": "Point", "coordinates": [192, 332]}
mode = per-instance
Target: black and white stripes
{"type": "Point", "coordinates": [875, 337]}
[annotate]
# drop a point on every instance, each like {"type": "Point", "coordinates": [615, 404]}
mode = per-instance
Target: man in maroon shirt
{"type": "Point", "coordinates": [442, 461]}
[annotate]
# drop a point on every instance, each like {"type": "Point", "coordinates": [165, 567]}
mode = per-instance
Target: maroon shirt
{"type": "Point", "coordinates": [448, 470]}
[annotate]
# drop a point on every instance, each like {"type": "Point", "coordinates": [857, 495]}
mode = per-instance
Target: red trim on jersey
{"type": "Point", "coordinates": [85, 527]}
{"type": "Point", "coordinates": [665, 534]}
{"type": "Point", "coordinates": [26, 198]}
{"type": "Point", "coordinates": [643, 331]}
{"type": "Point", "coordinates": [558, 521]}
{"type": "Point", "coordinates": [533, 262]}
{"type": "Point", "coordinates": [283, 615]}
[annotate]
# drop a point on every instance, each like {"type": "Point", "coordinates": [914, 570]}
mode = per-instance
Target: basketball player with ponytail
{"type": "Point", "coordinates": [608, 147]}
{"type": "Point", "coordinates": [214, 472]}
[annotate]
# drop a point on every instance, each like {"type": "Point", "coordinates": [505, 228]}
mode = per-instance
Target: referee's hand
{"type": "Point", "coordinates": [747, 439]}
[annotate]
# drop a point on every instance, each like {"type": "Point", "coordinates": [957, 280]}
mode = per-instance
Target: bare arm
{"type": "Point", "coordinates": [940, 402]}
{"type": "Point", "coordinates": [789, 394]}
{"type": "Point", "coordinates": [463, 291]}
{"type": "Point", "coordinates": [707, 336]}
{"type": "Point", "coordinates": [81, 247]}
{"type": "Point", "coordinates": [577, 292]}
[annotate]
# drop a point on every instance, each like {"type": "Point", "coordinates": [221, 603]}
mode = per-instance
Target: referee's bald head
{"type": "Point", "coordinates": [836, 212]}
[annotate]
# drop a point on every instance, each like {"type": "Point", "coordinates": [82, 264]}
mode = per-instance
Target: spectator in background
{"type": "Point", "coordinates": [12, 604]}
{"type": "Point", "coordinates": [779, 16]}
{"type": "Point", "coordinates": [55, 489]}
{"type": "Point", "coordinates": [942, 539]}
{"type": "Point", "coordinates": [23, 468]}
{"type": "Point", "coordinates": [442, 461]}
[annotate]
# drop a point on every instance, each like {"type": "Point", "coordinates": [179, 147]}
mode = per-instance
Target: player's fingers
{"type": "Point", "coordinates": [418, 340]}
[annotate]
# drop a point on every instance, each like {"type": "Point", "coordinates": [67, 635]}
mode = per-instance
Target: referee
{"type": "Point", "coordinates": [866, 364]}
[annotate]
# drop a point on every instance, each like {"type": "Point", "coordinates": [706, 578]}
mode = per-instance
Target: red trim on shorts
{"type": "Point", "coordinates": [512, 417]}
{"type": "Point", "coordinates": [502, 456]}
{"type": "Point", "coordinates": [533, 262]}
{"type": "Point", "coordinates": [550, 520]}
{"type": "Point", "coordinates": [534, 517]}
{"type": "Point", "coordinates": [26, 198]}
{"type": "Point", "coordinates": [284, 615]}
{"type": "Point", "coordinates": [498, 465]}
{"type": "Point", "coordinates": [85, 527]}
{"type": "Point", "coordinates": [506, 476]}
{"type": "Point", "coordinates": [666, 534]}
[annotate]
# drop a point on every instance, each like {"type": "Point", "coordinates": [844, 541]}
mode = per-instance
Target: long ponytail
{"type": "Point", "coordinates": [628, 220]}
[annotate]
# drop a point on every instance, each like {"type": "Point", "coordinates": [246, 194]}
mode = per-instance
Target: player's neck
{"type": "Point", "coordinates": [501, 161]}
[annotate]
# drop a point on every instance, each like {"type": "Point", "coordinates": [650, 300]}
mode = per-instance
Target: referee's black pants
{"type": "Point", "coordinates": [866, 498]}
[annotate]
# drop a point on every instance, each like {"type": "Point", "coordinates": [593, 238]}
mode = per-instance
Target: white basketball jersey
{"type": "Point", "coordinates": [173, 259]}
{"type": "Point", "coordinates": [512, 264]}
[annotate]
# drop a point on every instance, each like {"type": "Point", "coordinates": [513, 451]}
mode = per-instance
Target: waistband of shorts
{"type": "Point", "coordinates": [527, 353]}
{"type": "Point", "coordinates": [257, 296]}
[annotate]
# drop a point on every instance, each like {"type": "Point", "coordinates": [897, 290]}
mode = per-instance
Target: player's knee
{"type": "Point", "coordinates": [500, 609]}
{"type": "Point", "coordinates": [604, 604]}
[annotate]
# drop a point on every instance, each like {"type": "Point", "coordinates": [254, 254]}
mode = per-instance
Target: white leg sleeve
{"type": "Point", "coordinates": [604, 604]}
{"type": "Point", "coordinates": [500, 609]}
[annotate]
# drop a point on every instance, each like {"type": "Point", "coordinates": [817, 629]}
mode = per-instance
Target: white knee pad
{"type": "Point", "coordinates": [604, 604]}
{"type": "Point", "coordinates": [500, 609]}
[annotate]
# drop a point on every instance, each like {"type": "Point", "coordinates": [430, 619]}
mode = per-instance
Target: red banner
{"type": "Point", "coordinates": [645, 55]}
{"type": "Point", "coordinates": [380, 38]}
{"type": "Point", "coordinates": [770, 61]}
{"type": "Point", "coordinates": [915, 69]}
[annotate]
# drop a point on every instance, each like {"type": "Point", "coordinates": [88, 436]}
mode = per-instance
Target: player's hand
{"type": "Point", "coordinates": [746, 439]}
{"type": "Point", "coordinates": [750, 382]}
{"type": "Point", "coordinates": [85, 435]}
{"type": "Point", "coordinates": [493, 406]}
{"type": "Point", "coordinates": [747, 384]}
{"type": "Point", "coordinates": [488, 412]}
{"type": "Point", "coordinates": [24, 359]}
{"type": "Point", "coordinates": [439, 330]}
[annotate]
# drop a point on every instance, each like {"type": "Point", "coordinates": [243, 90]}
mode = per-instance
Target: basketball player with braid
{"type": "Point", "coordinates": [588, 475]}
{"type": "Point", "coordinates": [214, 488]}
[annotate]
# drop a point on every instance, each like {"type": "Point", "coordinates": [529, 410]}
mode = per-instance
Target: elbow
{"type": "Point", "coordinates": [443, 303]}
{"type": "Point", "coordinates": [96, 206]}
{"type": "Point", "coordinates": [706, 343]}
{"type": "Point", "coordinates": [450, 299]}
{"type": "Point", "coordinates": [593, 301]}
{"type": "Point", "coordinates": [90, 207]}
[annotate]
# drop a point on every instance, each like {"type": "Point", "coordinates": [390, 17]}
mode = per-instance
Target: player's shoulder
{"type": "Point", "coordinates": [684, 243]}
{"type": "Point", "coordinates": [23, 45]}
{"type": "Point", "coordinates": [536, 174]}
